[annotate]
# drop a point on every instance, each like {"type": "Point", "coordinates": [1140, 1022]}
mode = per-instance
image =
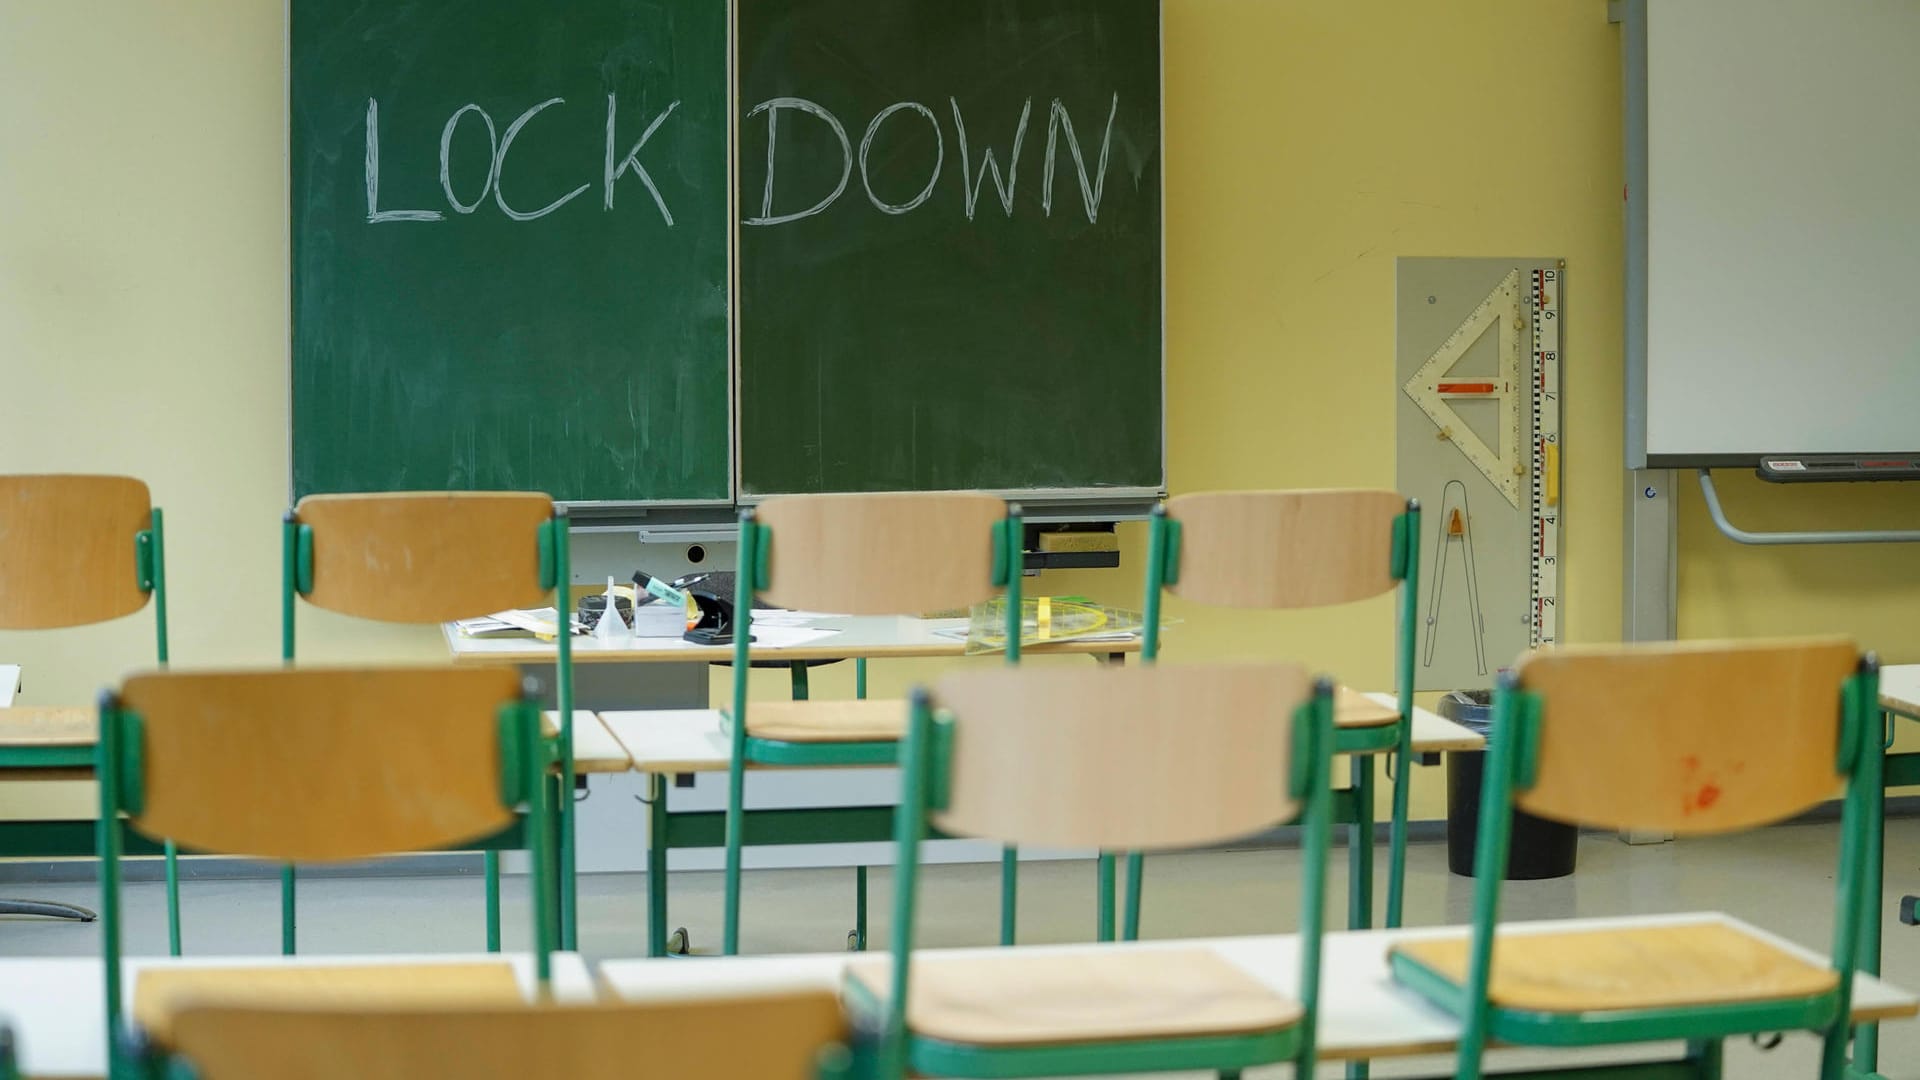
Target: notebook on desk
{"type": "Point", "coordinates": [9, 682]}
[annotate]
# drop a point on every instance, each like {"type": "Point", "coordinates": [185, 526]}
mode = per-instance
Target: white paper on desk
{"type": "Point", "coordinates": [783, 617]}
{"type": "Point", "coordinates": [9, 682]}
{"type": "Point", "coordinates": [539, 622]}
{"type": "Point", "coordinates": [764, 637]}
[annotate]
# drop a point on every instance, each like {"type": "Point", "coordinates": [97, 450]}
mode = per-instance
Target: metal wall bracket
{"type": "Point", "coordinates": [1829, 536]}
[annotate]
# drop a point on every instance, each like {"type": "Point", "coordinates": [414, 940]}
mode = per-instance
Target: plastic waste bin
{"type": "Point", "coordinates": [1538, 848]}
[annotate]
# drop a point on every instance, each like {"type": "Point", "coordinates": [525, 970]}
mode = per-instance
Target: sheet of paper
{"type": "Point", "coordinates": [783, 617]}
{"type": "Point", "coordinates": [9, 682]}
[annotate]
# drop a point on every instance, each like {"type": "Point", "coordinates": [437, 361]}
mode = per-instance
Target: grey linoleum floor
{"type": "Point", "coordinates": [1780, 879]}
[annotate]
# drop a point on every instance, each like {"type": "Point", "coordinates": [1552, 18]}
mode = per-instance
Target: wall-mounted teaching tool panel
{"type": "Point", "coordinates": [950, 247]}
{"type": "Point", "coordinates": [509, 230]}
{"type": "Point", "coordinates": [1782, 245]}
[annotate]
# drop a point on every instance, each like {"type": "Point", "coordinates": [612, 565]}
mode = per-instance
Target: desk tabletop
{"type": "Point", "coordinates": [1900, 689]}
{"type": "Point", "coordinates": [59, 1025]}
{"type": "Point", "coordinates": [854, 636]}
{"type": "Point", "coordinates": [595, 750]}
{"type": "Point", "coordinates": [48, 725]}
{"type": "Point", "coordinates": [692, 740]}
{"type": "Point", "coordinates": [1363, 1012]}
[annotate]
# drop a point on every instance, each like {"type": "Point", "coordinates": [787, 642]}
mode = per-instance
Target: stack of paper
{"type": "Point", "coordinates": [538, 622]}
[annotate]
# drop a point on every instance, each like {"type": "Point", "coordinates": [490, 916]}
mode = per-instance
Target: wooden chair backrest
{"type": "Point", "coordinates": [67, 549]}
{"type": "Point", "coordinates": [765, 1037]}
{"type": "Point", "coordinates": [1120, 758]}
{"type": "Point", "coordinates": [421, 557]}
{"type": "Point", "coordinates": [1689, 737]}
{"type": "Point", "coordinates": [1284, 549]}
{"type": "Point", "coordinates": [883, 554]}
{"type": "Point", "coordinates": [318, 764]}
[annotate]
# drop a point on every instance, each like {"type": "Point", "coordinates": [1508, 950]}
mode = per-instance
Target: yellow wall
{"type": "Point", "coordinates": [143, 298]}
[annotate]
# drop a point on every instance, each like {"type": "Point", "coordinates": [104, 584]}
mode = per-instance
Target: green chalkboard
{"type": "Point", "coordinates": [456, 328]}
{"type": "Point", "coordinates": [928, 328]}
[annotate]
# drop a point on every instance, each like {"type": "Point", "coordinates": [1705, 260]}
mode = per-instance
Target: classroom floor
{"type": "Point", "coordinates": [1780, 879]}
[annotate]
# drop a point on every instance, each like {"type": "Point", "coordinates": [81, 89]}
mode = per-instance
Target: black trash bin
{"type": "Point", "coordinates": [1538, 849]}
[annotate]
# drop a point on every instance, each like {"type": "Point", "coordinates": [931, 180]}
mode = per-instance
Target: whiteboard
{"type": "Point", "coordinates": [1783, 228]}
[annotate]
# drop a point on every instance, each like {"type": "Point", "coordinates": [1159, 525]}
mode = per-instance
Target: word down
{"type": "Point", "coordinates": [1059, 129]}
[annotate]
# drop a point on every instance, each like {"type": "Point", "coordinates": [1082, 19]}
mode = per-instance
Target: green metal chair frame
{"type": "Point", "coordinates": [1354, 803]}
{"type": "Point", "coordinates": [125, 764]}
{"type": "Point", "coordinates": [753, 576]}
{"type": "Point", "coordinates": [1512, 770]}
{"type": "Point", "coordinates": [551, 542]}
{"type": "Point", "coordinates": [149, 566]}
{"type": "Point", "coordinates": [926, 765]}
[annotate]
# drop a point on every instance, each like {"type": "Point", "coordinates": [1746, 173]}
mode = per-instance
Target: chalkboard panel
{"type": "Point", "coordinates": [950, 248]}
{"type": "Point", "coordinates": [509, 231]}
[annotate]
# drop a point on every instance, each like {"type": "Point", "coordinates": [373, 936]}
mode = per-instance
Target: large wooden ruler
{"type": "Point", "coordinates": [1544, 508]}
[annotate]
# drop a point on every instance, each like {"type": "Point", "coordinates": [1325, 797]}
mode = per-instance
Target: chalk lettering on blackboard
{"type": "Point", "coordinates": [772, 108]}
{"type": "Point", "coordinates": [631, 163]}
{"type": "Point", "coordinates": [939, 157]}
{"type": "Point", "coordinates": [374, 213]}
{"type": "Point", "coordinates": [970, 182]}
{"type": "Point", "coordinates": [500, 163]}
{"type": "Point", "coordinates": [446, 156]}
{"type": "Point", "coordinates": [1090, 190]}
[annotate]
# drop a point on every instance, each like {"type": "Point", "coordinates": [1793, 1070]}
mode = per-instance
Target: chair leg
{"type": "Point", "coordinates": [1706, 1056]}
{"type": "Point", "coordinates": [1360, 846]}
{"type": "Point", "coordinates": [736, 828]}
{"type": "Point", "coordinates": [656, 865]}
{"type": "Point", "coordinates": [1009, 893]}
{"type": "Point", "coordinates": [492, 859]}
{"type": "Point", "coordinates": [1866, 1037]}
{"type": "Point", "coordinates": [1136, 874]}
{"type": "Point", "coordinates": [288, 935]}
{"type": "Point", "coordinates": [173, 900]}
{"type": "Point", "coordinates": [860, 909]}
{"type": "Point", "coordinates": [1104, 883]}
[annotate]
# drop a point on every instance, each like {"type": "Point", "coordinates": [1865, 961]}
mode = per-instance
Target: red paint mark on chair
{"type": "Point", "coordinates": [1707, 796]}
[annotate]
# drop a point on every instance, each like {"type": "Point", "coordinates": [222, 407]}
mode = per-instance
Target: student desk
{"type": "Point", "coordinates": [57, 744]}
{"type": "Point", "coordinates": [59, 1026]}
{"type": "Point", "coordinates": [665, 743]}
{"type": "Point", "coordinates": [1364, 1014]}
{"type": "Point", "coordinates": [669, 673]}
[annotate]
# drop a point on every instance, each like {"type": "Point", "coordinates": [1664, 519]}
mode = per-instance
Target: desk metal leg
{"type": "Point", "coordinates": [656, 864]}
{"type": "Point", "coordinates": [47, 909]}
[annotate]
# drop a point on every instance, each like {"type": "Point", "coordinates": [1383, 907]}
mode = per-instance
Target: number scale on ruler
{"type": "Point", "coordinates": [1544, 555]}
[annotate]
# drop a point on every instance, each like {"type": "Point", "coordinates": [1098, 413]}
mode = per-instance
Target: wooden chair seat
{"type": "Point", "coordinates": [1653, 967]}
{"type": "Point", "coordinates": [1009, 999]}
{"type": "Point", "coordinates": [1353, 709]}
{"type": "Point", "coordinates": [828, 721]}
{"type": "Point", "coordinates": [162, 993]}
{"type": "Point", "coordinates": [37, 725]}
